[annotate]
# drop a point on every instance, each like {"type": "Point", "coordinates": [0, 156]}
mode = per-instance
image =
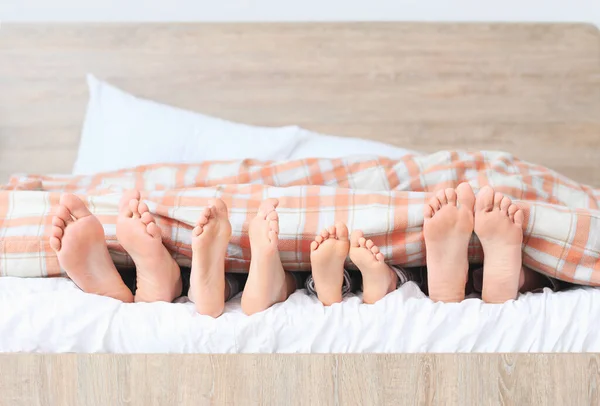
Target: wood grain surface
{"type": "Point", "coordinates": [416, 379]}
{"type": "Point", "coordinates": [530, 89]}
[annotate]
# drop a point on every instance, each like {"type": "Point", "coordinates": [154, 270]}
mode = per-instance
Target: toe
{"type": "Point", "coordinates": [519, 218]}
{"type": "Point", "coordinates": [197, 230]}
{"type": "Point", "coordinates": [505, 204]}
{"type": "Point", "coordinates": [355, 236]}
{"type": "Point", "coordinates": [204, 216]}
{"type": "Point", "coordinates": [63, 214]}
{"type": "Point", "coordinates": [342, 231]}
{"type": "Point", "coordinates": [319, 239]}
{"type": "Point", "coordinates": [271, 202]}
{"type": "Point", "coordinates": [266, 207]}
{"type": "Point", "coordinates": [57, 232]}
{"type": "Point", "coordinates": [147, 218]}
{"type": "Point", "coordinates": [55, 244]}
{"type": "Point", "coordinates": [369, 244]}
{"type": "Point", "coordinates": [273, 216]}
{"type": "Point", "coordinates": [497, 200]}
{"type": "Point", "coordinates": [58, 222]}
{"type": "Point", "coordinates": [512, 209]}
{"type": "Point", "coordinates": [153, 230]}
{"type": "Point", "coordinates": [143, 208]}
{"type": "Point", "coordinates": [435, 204]}
{"type": "Point", "coordinates": [375, 250]}
{"type": "Point", "coordinates": [219, 206]}
{"type": "Point", "coordinates": [332, 231]}
{"type": "Point", "coordinates": [133, 208]}
{"type": "Point", "coordinates": [451, 196]}
{"type": "Point", "coordinates": [465, 196]}
{"type": "Point", "coordinates": [485, 199]}
{"type": "Point", "coordinates": [273, 238]}
{"type": "Point", "coordinates": [202, 220]}
{"type": "Point", "coordinates": [441, 196]}
{"type": "Point", "coordinates": [126, 198]}
{"type": "Point", "coordinates": [380, 257]}
{"type": "Point", "coordinates": [325, 234]}
{"type": "Point", "coordinates": [274, 226]}
{"type": "Point", "coordinates": [362, 241]}
{"type": "Point", "coordinates": [314, 245]}
{"type": "Point", "coordinates": [75, 205]}
{"type": "Point", "coordinates": [427, 211]}
{"type": "Point", "coordinates": [124, 209]}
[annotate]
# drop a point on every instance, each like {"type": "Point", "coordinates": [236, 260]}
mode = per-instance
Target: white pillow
{"type": "Point", "coordinates": [122, 131]}
{"type": "Point", "coordinates": [313, 145]}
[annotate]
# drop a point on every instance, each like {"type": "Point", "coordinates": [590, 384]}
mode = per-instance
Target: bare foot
{"type": "Point", "coordinates": [447, 229]}
{"type": "Point", "coordinates": [327, 256]}
{"type": "Point", "coordinates": [210, 239]}
{"type": "Point", "coordinates": [158, 275]}
{"type": "Point", "coordinates": [499, 226]}
{"type": "Point", "coordinates": [267, 282]}
{"type": "Point", "coordinates": [78, 240]}
{"type": "Point", "coordinates": [378, 278]}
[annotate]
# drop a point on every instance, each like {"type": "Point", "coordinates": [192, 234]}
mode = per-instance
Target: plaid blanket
{"type": "Point", "coordinates": [382, 197]}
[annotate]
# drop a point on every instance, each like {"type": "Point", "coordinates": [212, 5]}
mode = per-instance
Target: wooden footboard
{"type": "Point", "coordinates": [419, 379]}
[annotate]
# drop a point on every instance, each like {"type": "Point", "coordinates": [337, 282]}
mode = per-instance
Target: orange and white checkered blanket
{"type": "Point", "coordinates": [382, 197]}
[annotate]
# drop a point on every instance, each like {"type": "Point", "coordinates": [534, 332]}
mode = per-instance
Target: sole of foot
{"type": "Point", "coordinates": [77, 237]}
{"type": "Point", "coordinates": [210, 238]}
{"type": "Point", "coordinates": [448, 227]}
{"type": "Point", "coordinates": [158, 275]}
{"type": "Point", "coordinates": [328, 254]}
{"type": "Point", "coordinates": [499, 227]}
{"type": "Point", "coordinates": [267, 280]}
{"type": "Point", "coordinates": [378, 278]}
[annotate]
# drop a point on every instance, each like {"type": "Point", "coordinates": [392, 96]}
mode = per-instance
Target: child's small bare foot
{"type": "Point", "coordinates": [78, 239]}
{"type": "Point", "coordinates": [210, 239]}
{"type": "Point", "coordinates": [499, 226]}
{"type": "Point", "coordinates": [447, 229]}
{"type": "Point", "coordinates": [267, 282]}
{"type": "Point", "coordinates": [158, 275]}
{"type": "Point", "coordinates": [378, 278]}
{"type": "Point", "coordinates": [327, 256]}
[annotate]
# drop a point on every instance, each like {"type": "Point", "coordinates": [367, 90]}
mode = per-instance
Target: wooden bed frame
{"type": "Point", "coordinates": [530, 89]}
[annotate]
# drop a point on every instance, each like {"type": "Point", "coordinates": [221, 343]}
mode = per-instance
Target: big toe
{"type": "Point", "coordinates": [341, 231]}
{"type": "Point", "coordinates": [75, 205]}
{"type": "Point", "coordinates": [128, 196]}
{"type": "Point", "coordinates": [267, 206]}
{"type": "Point", "coordinates": [485, 199]}
{"type": "Point", "coordinates": [220, 207]}
{"type": "Point", "coordinates": [465, 196]}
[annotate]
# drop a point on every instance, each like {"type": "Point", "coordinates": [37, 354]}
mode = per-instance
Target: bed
{"type": "Point", "coordinates": [531, 89]}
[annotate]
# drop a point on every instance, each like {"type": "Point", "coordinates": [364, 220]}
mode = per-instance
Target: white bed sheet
{"type": "Point", "coordinates": [53, 315]}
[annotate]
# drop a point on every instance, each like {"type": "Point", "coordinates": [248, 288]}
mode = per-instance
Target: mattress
{"type": "Point", "coordinates": [53, 315]}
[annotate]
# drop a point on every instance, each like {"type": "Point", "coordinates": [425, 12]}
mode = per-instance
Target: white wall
{"type": "Point", "coordinates": [300, 10]}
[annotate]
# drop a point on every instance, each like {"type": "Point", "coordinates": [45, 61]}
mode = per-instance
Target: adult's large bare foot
{"type": "Point", "coordinates": [210, 239]}
{"type": "Point", "coordinates": [447, 229]}
{"type": "Point", "coordinates": [499, 226]}
{"type": "Point", "coordinates": [378, 278]}
{"type": "Point", "coordinates": [327, 256]}
{"type": "Point", "coordinates": [267, 282]}
{"type": "Point", "coordinates": [158, 275]}
{"type": "Point", "coordinates": [77, 237]}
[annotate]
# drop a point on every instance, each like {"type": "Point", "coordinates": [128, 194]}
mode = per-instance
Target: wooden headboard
{"type": "Point", "coordinates": [530, 89]}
